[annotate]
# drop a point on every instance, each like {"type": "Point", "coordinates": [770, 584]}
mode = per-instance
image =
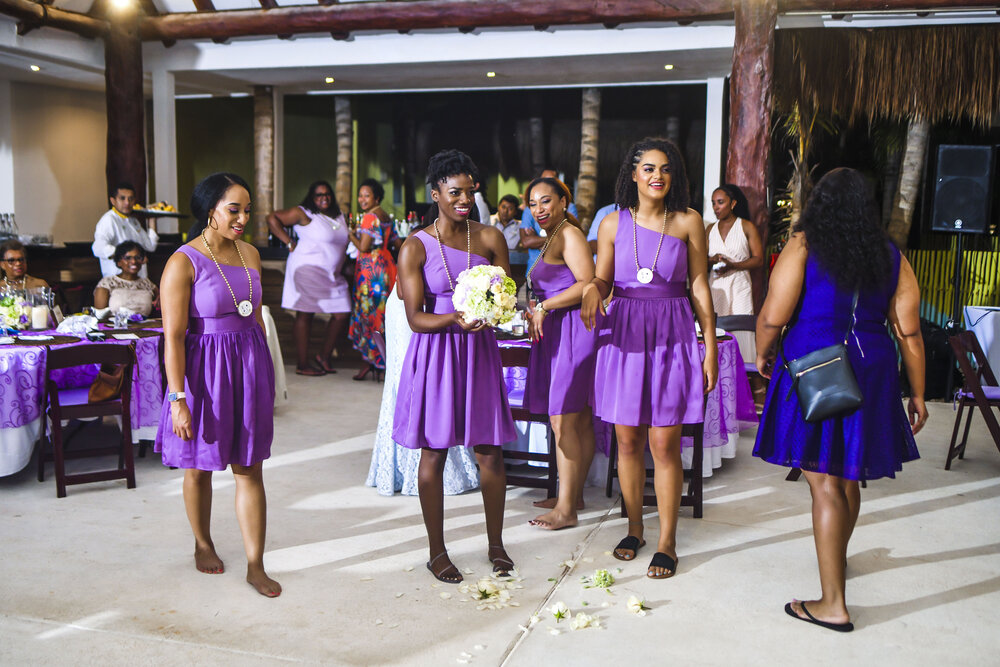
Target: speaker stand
{"type": "Point", "coordinates": [954, 325]}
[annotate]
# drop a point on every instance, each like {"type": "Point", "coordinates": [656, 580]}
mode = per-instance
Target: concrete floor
{"type": "Point", "coordinates": [105, 576]}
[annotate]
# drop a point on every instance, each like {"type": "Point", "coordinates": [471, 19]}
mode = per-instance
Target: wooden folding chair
{"type": "Point", "coordinates": [517, 357]}
{"type": "Point", "coordinates": [68, 404]}
{"type": "Point", "coordinates": [980, 390]}
{"type": "Point", "coordinates": [694, 497]}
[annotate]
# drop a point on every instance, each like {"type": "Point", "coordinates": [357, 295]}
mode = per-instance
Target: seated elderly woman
{"type": "Point", "coordinates": [127, 289]}
{"type": "Point", "coordinates": [15, 267]}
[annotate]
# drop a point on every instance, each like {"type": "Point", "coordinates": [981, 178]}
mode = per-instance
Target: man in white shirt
{"type": "Point", "coordinates": [118, 225]}
{"type": "Point", "coordinates": [509, 226]}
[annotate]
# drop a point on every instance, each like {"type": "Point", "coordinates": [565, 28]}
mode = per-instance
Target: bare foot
{"type": "Point", "coordinates": [502, 564]}
{"type": "Point", "coordinates": [550, 503]}
{"type": "Point", "coordinates": [554, 520]}
{"type": "Point", "coordinates": [207, 561]}
{"type": "Point", "coordinates": [821, 611]}
{"type": "Point", "coordinates": [264, 584]}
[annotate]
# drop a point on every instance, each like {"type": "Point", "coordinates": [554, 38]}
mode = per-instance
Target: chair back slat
{"type": "Point", "coordinates": [736, 322]}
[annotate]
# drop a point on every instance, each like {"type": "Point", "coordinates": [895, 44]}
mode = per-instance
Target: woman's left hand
{"type": "Point", "coordinates": [917, 411]}
{"type": "Point", "coordinates": [765, 365]}
{"type": "Point", "coordinates": [535, 325]}
{"type": "Point", "coordinates": [710, 371]}
{"type": "Point", "coordinates": [726, 267]}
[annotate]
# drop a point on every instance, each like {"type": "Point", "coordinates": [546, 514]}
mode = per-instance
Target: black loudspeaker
{"type": "Point", "coordinates": [963, 189]}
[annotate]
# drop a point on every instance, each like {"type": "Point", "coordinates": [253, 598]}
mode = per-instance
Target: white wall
{"type": "Point", "coordinates": [60, 150]}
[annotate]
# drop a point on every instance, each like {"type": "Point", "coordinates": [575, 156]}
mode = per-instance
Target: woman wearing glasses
{"type": "Point", "coordinates": [15, 268]}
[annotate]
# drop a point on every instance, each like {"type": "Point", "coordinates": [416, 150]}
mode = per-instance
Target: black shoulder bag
{"type": "Point", "coordinates": [824, 380]}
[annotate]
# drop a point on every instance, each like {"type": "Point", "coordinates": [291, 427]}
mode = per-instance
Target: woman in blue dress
{"type": "Point", "coordinates": [838, 248]}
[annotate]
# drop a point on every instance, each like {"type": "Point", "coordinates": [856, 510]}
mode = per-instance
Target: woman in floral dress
{"type": "Point", "coordinates": [374, 273]}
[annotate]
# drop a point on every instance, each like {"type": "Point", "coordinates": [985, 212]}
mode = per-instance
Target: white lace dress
{"type": "Point", "coordinates": [394, 468]}
{"type": "Point", "coordinates": [732, 293]}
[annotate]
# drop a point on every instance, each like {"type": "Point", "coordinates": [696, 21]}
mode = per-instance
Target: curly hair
{"type": "Point", "coordinates": [842, 231]}
{"type": "Point", "coordinates": [627, 194]}
{"type": "Point", "coordinates": [309, 203]}
{"type": "Point", "coordinates": [450, 163]}
{"type": "Point", "coordinates": [557, 187]}
{"type": "Point", "coordinates": [377, 190]}
{"type": "Point", "coordinates": [741, 207]}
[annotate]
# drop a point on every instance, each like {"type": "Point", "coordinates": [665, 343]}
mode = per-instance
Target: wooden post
{"type": "Point", "coordinates": [750, 99]}
{"type": "Point", "coordinates": [586, 191]}
{"type": "Point", "coordinates": [536, 130]}
{"type": "Point", "coordinates": [345, 152]}
{"type": "Point", "coordinates": [126, 160]}
{"type": "Point", "coordinates": [263, 156]}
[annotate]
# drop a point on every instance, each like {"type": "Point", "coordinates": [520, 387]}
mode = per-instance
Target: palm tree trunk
{"type": "Point", "coordinates": [345, 136]}
{"type": "Point", "coordinates": [909, 181]}
{"type": "Point", "coordinates": [263, 149]}
{"type": "Point", "coordinates": [586, 192]}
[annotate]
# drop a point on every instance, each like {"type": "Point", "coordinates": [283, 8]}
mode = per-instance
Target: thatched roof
{"type": "Point", "coordinates": [938, 72]}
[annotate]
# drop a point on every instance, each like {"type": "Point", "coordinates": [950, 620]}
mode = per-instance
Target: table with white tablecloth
{"type": "Point", "coordinates": [984, 321]}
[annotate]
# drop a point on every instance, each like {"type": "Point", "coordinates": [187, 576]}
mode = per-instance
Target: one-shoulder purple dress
{"type": "Point", "coordinates": [228, 376]}
{"type": "Point", "coordinates": [648, 368]}
{"type": "Point", "coordinates": [871, 442]}
{"type": "Point", "coordinates": [451, 390]}
{"type": "Point", "coordinates": [561, 367]}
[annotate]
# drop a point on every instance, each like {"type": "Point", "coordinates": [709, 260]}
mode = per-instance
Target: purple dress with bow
{"type": "Point", "coordinates": [228, 375]}
{"type": "Point", "coordinates": [451, 390]}
{"type": "Point", "coordinates": [648, 368]}
{"type": "Point", "coordinates": [561, 367]}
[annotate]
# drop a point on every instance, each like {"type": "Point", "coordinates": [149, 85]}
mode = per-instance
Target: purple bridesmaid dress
{"type": "Point", "coordinates": [228, 376]}
{"type": "Point", "coordinates": [451, 390]}
{"type": "Point", "coordinates": [561, 367]}
{"type": "Point", "coordinates": [648, 369]}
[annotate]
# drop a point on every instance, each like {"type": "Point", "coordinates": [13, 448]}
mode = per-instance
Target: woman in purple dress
{"type": "Point", "coordinates": [219, 409]}
{"type": "Point", "coordinates": [313, 279]}
{"type": "Point", "coordinates": [837, 250]}
{"type": "Point", "coordinates": [561, 367]}
{"type": "Point", "coordinates": [649, 378]}
{"type": "Point", "coordinates": [451, 390]}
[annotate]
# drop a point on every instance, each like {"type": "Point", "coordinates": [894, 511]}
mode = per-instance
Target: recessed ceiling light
{"type": "Point", "coordinates": [34, 68]}
{"type": "Point", "coordinates": [329, 79]}
{"type": "Point", "coordinates": [121, 4]}
{"type": "Point", "coordinates": [490, 75]}
{"type": "Point", "coordinates": [668, 67]}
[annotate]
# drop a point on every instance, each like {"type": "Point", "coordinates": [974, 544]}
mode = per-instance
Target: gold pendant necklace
{"type": "Point", "coordinates": [245, 307]}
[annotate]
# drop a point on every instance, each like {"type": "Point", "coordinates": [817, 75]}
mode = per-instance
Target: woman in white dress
{"type": "Point", "coordinates": [734, 247]}
{"type": "Point", "coordinates": [394, 468]}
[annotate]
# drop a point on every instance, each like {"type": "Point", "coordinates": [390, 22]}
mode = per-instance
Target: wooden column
{"type": "Point", "coordinates": [536, 130]}
{"type": "Point", "coordinates": [123, 94]}
{"type": "Point", "coordinates": [586, 191]}
{"type": "Point", "coordinates": [263, 157]}
{"type": "Point", "coordinates": [345, 153]}
{"type": "Point", "coordinates": [750, 98]}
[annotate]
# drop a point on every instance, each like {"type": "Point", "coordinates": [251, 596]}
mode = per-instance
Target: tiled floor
{"type": "Point", "coordinates": [105, 575]}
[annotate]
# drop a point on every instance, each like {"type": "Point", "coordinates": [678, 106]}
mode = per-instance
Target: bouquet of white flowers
{"type": "Point", "coordinates": [15, 313]}
{"type": "Point", "coordinates": [485, 293]}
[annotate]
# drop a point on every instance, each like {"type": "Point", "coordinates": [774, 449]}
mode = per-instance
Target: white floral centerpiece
{"type": "Point", "coordinates": [14, 313]}
{"type": "Point", "coordinates": [485, 293]}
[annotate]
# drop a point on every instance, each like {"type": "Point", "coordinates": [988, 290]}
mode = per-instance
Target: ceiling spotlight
{"type": "Point", "coordinates": [34, 68]}
{"type": "Point", "coordinates": [329, 79]}
{"type": "Point", "coordinates": [121, 4]}
{"type": "Point", "coordinates": [668, 67]}
{"type": "Point", "coordinates": [490, 75]}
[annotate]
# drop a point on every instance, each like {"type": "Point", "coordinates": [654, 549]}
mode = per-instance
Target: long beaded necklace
{"type": "Point", "coordinates": [245, 307]}
{"type": "Point", "coordinates": [468, 250]}
{"type": "Point", "coordinates": [548, 240]}
{"type": "Point", "coordinates": [643, 275]}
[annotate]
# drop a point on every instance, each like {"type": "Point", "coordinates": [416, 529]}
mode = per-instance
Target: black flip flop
{"type": "Point", "coordinates": [661, 559]}
{"type": "Point", "coordinates": [631, 543]}
{"type": "Point", "coordinates": [836, 627]}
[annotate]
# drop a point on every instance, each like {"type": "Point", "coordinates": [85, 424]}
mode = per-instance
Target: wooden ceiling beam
{"type": "Point", "coordinates": [43, 15]}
